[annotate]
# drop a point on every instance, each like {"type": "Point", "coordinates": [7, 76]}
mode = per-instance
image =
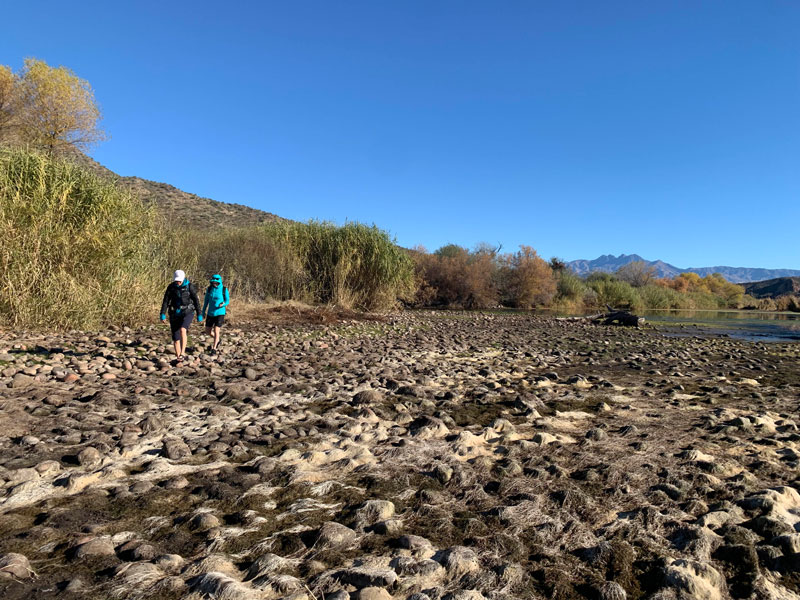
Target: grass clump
{"type": "Point", "coordinates": [75, 250]}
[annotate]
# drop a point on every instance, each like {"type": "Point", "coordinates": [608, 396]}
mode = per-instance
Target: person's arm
{"type": "Point", "coordinates": [206, 298]}
{"type": "Point", "coordinates": [226, 298]}
{"type": "Point", "coordinates": [195, 301]}
{"type": "Point", "coordinates": [165, 305]}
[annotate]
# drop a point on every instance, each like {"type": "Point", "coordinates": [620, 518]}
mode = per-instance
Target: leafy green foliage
{"type": "Point", "coordinates": [615, 293]}
{"type": "Point", "coordinates": [657, 297]}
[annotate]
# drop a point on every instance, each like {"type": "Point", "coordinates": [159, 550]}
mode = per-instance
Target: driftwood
{"type": "Point", "coordinates": [612, 317]}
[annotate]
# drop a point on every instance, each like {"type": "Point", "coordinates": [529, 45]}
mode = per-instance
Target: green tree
{"type": "Point", "coordinates": [58, 110]}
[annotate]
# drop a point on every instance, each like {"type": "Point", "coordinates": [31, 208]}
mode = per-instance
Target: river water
{"type": "Point", "coordinates": [740, 324]}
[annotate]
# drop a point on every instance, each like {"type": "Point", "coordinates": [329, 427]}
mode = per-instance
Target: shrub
{"type": "Point", "coordinates": [569, 286]}
{"type": "Point", "coordinates": [790, 303]}
{"type": "Point", "coordinates": [706, 301]}
{"type": "Point", "coordinates": [454, 276]}
{"type": "Point", "coordinates": [658, 297]}
{"type": "Point", "coordinates": [355, 265]}
{"type": "Point", "coordinates": [600, 276]}
{"type": "Point", "coordinates": [617, 294]}
{"type": "Point", "coordinates": [526, 279]}
{"type": "Point", "coordinates": [75, 250]}
{"type": "Point", "coordinates": [638, 273]}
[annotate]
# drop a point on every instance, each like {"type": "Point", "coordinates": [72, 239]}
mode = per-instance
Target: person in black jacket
{"type": "Point", "coordinates": [181, 304]}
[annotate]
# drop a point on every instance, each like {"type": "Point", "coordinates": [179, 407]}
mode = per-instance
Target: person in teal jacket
{"type": "Point", "coordinates": [214, 303]}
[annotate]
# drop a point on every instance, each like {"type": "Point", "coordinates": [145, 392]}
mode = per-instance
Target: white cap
{"type": "Point", "coordinates": [179, 275]}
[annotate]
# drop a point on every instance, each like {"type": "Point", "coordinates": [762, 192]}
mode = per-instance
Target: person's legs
{"type": "Point", "coordinates": [216, 337]}
{"type": "Point", "coordinates": [184, 331]}
{"type": "Point", "coordinates": [175, 326]}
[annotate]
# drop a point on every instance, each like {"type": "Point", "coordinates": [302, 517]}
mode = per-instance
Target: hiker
{"type": "Point", "coordinates": [214, 303]}
{"type": "Point", "coordinates": [182, 304]}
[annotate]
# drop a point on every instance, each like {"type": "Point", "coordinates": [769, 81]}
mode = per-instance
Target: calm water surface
{"type": "Point", "coordinates": [740, 324]}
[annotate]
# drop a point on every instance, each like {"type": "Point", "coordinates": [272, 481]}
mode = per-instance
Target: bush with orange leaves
{"type": "Point", "coordinates": [525, 279]}
{"type": "Point", "coordinates": [455, 277]}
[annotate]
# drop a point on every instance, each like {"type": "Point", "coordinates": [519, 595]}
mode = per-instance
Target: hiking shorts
{"type": "Point", "coordinates": [215, 321]}
{"type": "Point", "coordinates": [176, 322]}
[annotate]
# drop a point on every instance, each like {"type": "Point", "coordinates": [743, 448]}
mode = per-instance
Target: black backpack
{"type": "Point", "coordinates": [180, 299]}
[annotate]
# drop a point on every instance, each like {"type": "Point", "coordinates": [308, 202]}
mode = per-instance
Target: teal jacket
{"type": "Point", "coordinates": [216, 298]}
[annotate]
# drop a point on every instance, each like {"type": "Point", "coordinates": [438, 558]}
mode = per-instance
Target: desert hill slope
{"type": "Point", "coordinates": [189, 210]}
{"type": "Point", "coordinates": [774, 288]}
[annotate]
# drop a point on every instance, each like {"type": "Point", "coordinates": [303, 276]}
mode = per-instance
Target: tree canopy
{"type": "Point", "coordinates": [637, 273]}
{"type": "Point", "coordinates": [49, 108]}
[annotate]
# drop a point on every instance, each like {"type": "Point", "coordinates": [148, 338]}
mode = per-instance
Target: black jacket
{"type": "Point", "coordinates": [180, 298]}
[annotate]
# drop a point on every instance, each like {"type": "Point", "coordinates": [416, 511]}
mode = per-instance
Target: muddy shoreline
{"type": "Point", "coordinates": [421, 455]}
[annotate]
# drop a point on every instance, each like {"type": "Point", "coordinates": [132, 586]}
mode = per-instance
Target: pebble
{"type": "Point", "coordinates": [15, 565]}
{"type": "Point", "coordinates": [94, 548]}
{"type": "Point", "coordinates": [204, 521]}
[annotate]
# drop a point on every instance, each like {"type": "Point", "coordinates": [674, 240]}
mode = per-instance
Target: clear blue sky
{"type": "Point", "coordinates": [665, 128]}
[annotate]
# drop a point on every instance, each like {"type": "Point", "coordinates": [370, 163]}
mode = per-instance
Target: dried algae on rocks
{"type": "Point", "coordinates": [422, 456]}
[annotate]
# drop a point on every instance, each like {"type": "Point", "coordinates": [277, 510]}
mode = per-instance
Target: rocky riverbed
{"type": "Point", "coordinates": [435, 456]}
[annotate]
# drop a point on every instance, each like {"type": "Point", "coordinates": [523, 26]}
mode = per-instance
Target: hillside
{"type": "Point", "coordinates": [774, 288]}
{"type": "Point", "coordinates": [610, 263]}
{"type": "Point", "coordinates": [184, 208]}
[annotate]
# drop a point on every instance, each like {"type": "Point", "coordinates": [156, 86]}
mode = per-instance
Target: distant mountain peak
{"type": "Point", "coordinates": [609, 263]}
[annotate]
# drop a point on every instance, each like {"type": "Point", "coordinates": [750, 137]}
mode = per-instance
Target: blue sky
{"type": "Point", "coordinates": [669, 129]}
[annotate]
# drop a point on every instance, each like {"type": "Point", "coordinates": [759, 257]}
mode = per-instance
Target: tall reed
{"type": "Point", "coordinates": [354, 265]}
{"type": "Point", "coordinates": [76, 251]}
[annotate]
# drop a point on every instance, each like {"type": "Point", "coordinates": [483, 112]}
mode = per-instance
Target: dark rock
{"type": "Point", "coordinates": [367, 397]}
{"type": "Point", "coordinates": [362, 577]}
{"type": "Point", "coordinates": [768, 527]}
{"type": "Point", "coordinates": [176, 449]}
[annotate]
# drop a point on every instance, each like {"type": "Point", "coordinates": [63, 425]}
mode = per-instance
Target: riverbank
{"type": "Point", "coordinates": [495, 456]}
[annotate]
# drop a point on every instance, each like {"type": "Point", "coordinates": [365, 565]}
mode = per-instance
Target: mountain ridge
{"type": "Point", "coordinates": [180, 208]}
{"type": "Point", "coordinates": [609, 263]}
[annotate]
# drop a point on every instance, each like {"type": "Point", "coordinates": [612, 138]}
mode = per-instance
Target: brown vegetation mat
{"type": "Point", "coordinates": [296, 313]}
{"type": "Point", "coordinates": [436, 456]}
